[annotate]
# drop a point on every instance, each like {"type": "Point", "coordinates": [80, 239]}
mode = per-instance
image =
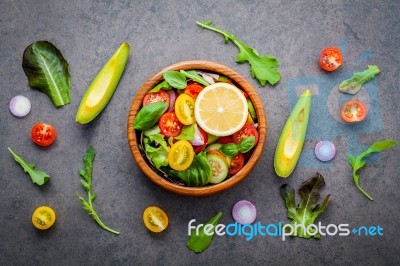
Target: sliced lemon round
{"type": "Point", "coordinates": [221, 109]}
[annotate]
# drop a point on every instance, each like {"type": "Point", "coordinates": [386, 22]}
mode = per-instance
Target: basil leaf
{"type": "Point", "coordinates": [229, 149]}
{"type": "Point", "coordinates": [38, 177]}
{"type": "Point", "coordinates": [162, 85]}
{"type": "Point", "coordinates": [200, 242]}
{"type": "Point", "coordinates": [192, 74]}
{"type": "Point", "coordinates": [246, 144]}
{"type": "Point", "coordinates": [149, 114]}
{"type": "Point", "coordinates": [353, 85]}
{"type": "Point", "coordinates": [187, 133]}
{"type": "Point", "coordinates": [175, 79]}
{"type": "Point", "coordinates": [47, 71]}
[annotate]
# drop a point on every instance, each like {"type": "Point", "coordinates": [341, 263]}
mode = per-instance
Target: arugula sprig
{"type": "Point", "coordinates": [263, 68]}
{"type": "Point", "coordinates": [358, 163]}
{"type": "Point", "coordinates": [86, 181]}
{"type": "Point", "coordinates": [38, 177]}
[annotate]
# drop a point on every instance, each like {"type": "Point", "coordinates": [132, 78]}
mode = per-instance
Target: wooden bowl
{"type": "Point", "coordinates": [133, 138]}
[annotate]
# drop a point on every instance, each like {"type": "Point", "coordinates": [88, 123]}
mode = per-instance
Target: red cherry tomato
{"type": "Point", "coordinates": [245, 94]}
{"type": "Point", "coordinates": [225, 140]}
{"type": "Point", "coordinates": [237, 163]}
{"type": "Point", "coordinates": [153, 97]}
{"type": "Point", "coordinates": [353, 111]}
{"type": "Point", "coordinates": [43, 134]}
{"type": "Point", "coordinates": [193, 89]}
{"type": "Point", "coordinates": [330, 58]}
{"type": "Point", "coordinates": [198, 149]}
{"type": "Point", "coordinates": [246, 131]}
{"type": "Point", "coordinates": [169, 125]}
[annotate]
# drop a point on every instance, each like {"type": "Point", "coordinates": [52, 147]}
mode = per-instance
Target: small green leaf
{"type": "Point", "coordinates": [187, 133]}
{"type": "Point", "coordinates": [175, 79]}
{"type": "Point", "coordinates": [246, 144]}
{"type": "Point", "coordinates": [192, 74]}
{"type": "Point", "coordinates": [229, 149]}
{"type": "Point", "coordinates": [162, 85]}
{"type": "Point", "coordinates": [85, 185]}
{"type": "Point", "coordinates": [353, 85]}
{"type": "Point", "coordinates": [149, 114]}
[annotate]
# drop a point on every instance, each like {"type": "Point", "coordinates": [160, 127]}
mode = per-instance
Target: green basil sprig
{"type": "Point", "coordinates": [232, 149]}
{"type": "Point", "coordinates": [149, 114]}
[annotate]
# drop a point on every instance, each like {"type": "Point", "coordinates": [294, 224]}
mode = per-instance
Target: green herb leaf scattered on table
{"type": "Point", "coordinates": [308, 210]}
{"type": "Point", "coordinates": [86, 182]}
{"type": "Point", "coordinates": [38, 177]}
{"type": "Point", "coordinates": [149, 115]}
{"type": "Point", "coordinates": [200, 242]}
{"type": "Point", "coordinates": [263, 68]}
{"type": "Point", "coordinates": [358, 163]}
{"type": "Point", "coordinates": [353, 85]}
{"type": "Point", "coordinates": [47, 71]}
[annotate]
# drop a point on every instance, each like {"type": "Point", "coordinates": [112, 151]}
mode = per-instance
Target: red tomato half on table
{"type": "Point", "coordinates": [353, 111]}
{"type": "Point", "coordinates": [330, 59]}
{"type": "Point", "coordinates": [43, 134]}
{"type": "Point", "coordinates": [169, 125]}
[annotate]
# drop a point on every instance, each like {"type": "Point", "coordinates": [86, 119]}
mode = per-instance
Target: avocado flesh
{"type": "Point", "coordinates": [103, 86]}
{"type": "Point", "coordinates": [291, 140]}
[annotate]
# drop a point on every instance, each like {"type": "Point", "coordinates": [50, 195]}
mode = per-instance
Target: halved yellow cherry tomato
{"type": "Point", "coordinates": [181, 155]}
{"type": "Point", "coordinates": [184, 109]}
{"type": "Point", "coordinates": [43, 217]}
{"type": "Point", "coordinates": [155, 219]}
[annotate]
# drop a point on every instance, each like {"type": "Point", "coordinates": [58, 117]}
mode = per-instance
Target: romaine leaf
{"type": "Point", "coordinates": [38, 177]}
{"type": "Point", "coordinates": [358, 163]}
{"type": "Point", "coordinates": [47, 71]}
{"type": "Point", "coordinates": [198, 173]}
{"type": "Point", "coordinates": [353, 85]}
{"type": "Point", "coordinates": [308, 210]}
{"type": "Point", "coordinates": [187, 133]}
{"type": "Point", "coordinates": [200, 242]}
{"type": "Point", "coordinates": [263, 68]}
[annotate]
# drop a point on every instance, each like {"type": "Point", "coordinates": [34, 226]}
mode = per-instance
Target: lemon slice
{"type": "Point", "coordinates": [221, 109]}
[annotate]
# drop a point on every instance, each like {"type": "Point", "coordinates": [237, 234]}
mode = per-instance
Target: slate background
{"type": "Point", "coordinates": [161, 33]}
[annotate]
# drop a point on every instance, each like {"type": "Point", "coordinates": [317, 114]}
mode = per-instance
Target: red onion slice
{"type": "Point", "coordinates": [198, 139]}
{"type": "Point", "coordinates": [172, 98]}
{"type": "Point", "coordinates": [20, 106]}
{"type": "Point", "coordinates": [325, 150]}
{"type": "Point", "coordinates": [244, 212]}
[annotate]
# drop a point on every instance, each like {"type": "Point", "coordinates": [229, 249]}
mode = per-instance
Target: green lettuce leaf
{"type": "Point", "coordinates": [187, 133]}
{"type": "Point", "coordinates": [158, 155]}
{"type": "Point", "coordinates": [308, 210]}
{"type": "Point", "coordinates": [47, 71]}
{"type": "Point", "coordinates": [353, 85]}
{"type": "Point", "coordinates": [198, 173]}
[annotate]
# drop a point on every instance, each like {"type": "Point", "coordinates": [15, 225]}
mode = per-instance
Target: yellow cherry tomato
{"type": "Point", "coordinates": [184, 109]}
{"type": "Point", "coordinates": [181, 155]}
{"type": "Point", "coordinates": [155, 219]}
{"type": "Point", "coordinates": [43, 217]}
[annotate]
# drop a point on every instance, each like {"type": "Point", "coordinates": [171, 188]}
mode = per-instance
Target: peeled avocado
{"type": "Point", "coordinates": [103, 86]}
{"type": "Point", "coordinates": [291, 141]}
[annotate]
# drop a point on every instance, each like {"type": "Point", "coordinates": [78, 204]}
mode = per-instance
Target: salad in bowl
{"type": "Point", "coordinates": [196, 128]}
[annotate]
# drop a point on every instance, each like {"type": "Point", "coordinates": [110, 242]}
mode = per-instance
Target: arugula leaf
{"type": "Point", "coordinates": [192, 74]}
{"type": "Point", "coordinates": [149, 115]}
{"type": "Point", "coordinates": [198, 173]}
{"type": "Point", "coordinates": [47, 71]}
{"type": "Point", "coordinates": [38, 177]}
{"type": "Point", "coordinates": [187, 133]}
{"type": "Point", "coordinates": [175, 78]}
{"type": "Point", "coordinates": [353, 85]}
{"type": "Point", "coordinates": [358, 163]}
{"type": "Point", "coordinates": [308, 209]}
{"type": "Point", "coordinates": [162, 85]}
{"type": "Point", "coordinates": [263, 68]}
{"type": "Point", "coordinates": [200, 242]}
{"type": "Point", "coordinates": [86, 182]}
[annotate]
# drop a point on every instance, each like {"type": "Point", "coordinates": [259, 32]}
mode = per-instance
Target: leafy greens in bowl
{"type": "Point", "coordinates": [178, 147]}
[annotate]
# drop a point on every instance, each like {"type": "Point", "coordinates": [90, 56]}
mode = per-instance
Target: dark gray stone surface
{"type": "Point", "coordinates": [164, 32]}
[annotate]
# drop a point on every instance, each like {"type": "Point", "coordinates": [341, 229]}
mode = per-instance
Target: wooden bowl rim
{"type": "Point", "coordinates": [205, 190]}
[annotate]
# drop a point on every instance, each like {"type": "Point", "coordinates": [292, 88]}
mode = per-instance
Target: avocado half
{"type": "Point", "coordinates": [291, 140]}
{"type": "Point", "coordinates": [103, 86]}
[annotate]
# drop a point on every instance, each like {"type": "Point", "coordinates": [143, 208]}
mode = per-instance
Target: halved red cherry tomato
{"type": "Point", "coordinates": [198, 149]}
{"type": "Point", "coordinates": [193, 89]}
{"type": "Point", "coordinates": [155, 219]}
{"type": "Point", "coordinates": [237, 163]}
{"type": "Point", "coordinates": [43, 134]}
{"type": "Point", "coordinates": [169, 125]}
{"type": "Point", "coordinates": [330, 58]}
{"type": "Point", "coordinates": [353, 111]}
{"type": "Point", "coordinates": [225, 140]}
{"type": "Point", "coordinates": [246, 131]}
{"type": "Point", "coordinates": [245, 94]}
{"type": "Point", "coordinates": [153, 97]}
